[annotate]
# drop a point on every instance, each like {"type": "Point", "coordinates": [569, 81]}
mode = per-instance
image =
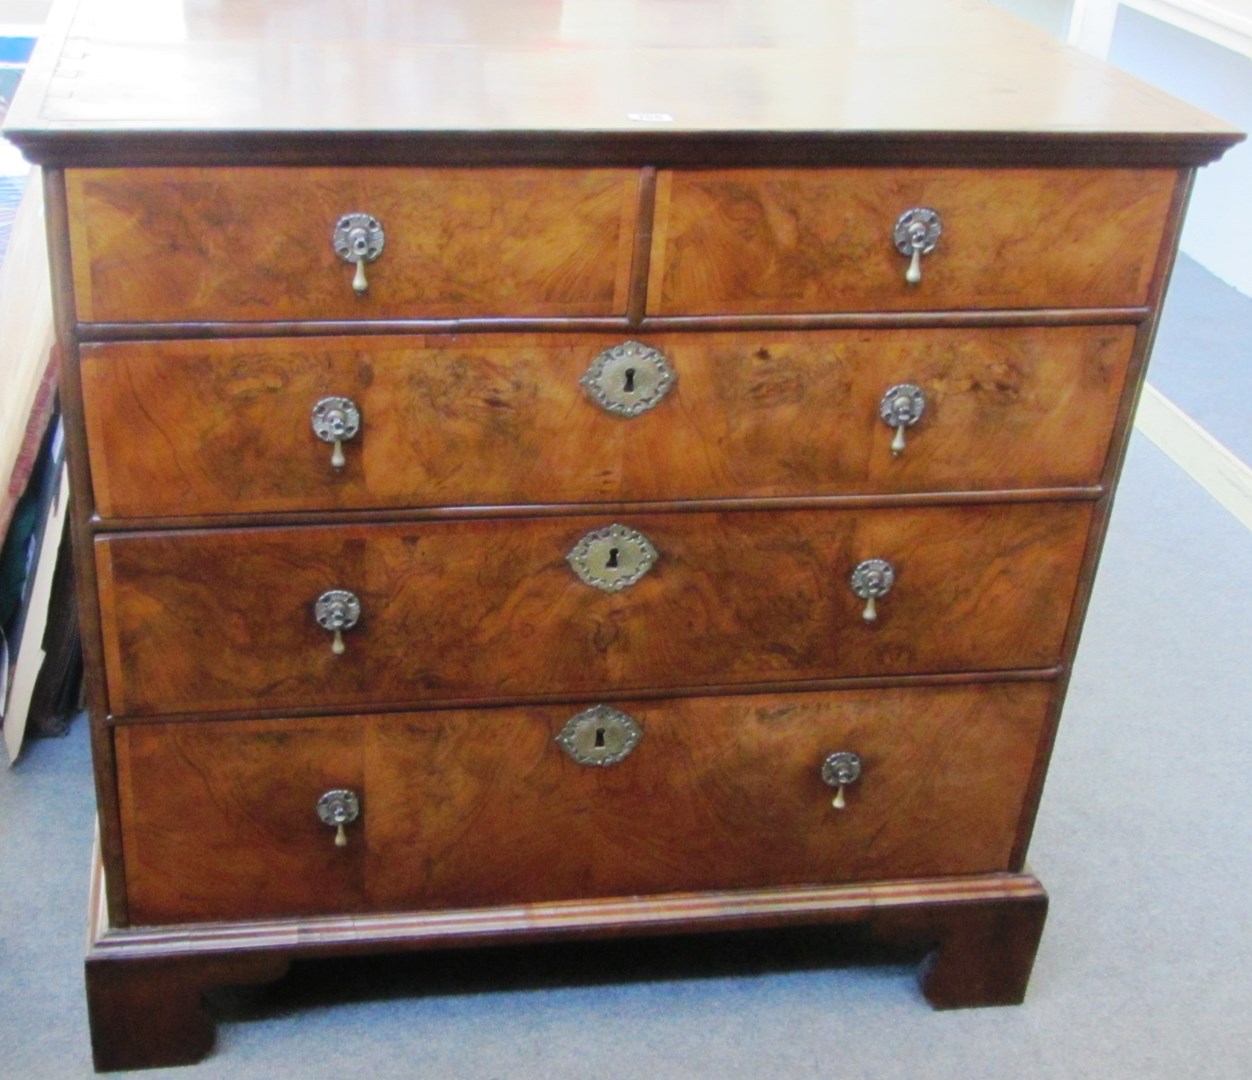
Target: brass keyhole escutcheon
{"type": "Point", "coordinates": [628, 379]}
{"type": "Point", "coordinates": [600, 735]}
{"type": "Point", "coordinates": [613, 558]}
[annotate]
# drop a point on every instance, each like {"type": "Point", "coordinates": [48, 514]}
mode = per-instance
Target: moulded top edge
{"type": "Point", "coordinates": [864, 69]}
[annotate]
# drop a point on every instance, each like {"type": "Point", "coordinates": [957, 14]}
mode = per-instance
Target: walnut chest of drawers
{"type": "Point", "coordinates": [646, 486]}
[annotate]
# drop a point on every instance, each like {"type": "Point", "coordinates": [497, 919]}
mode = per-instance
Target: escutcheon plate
{"type": "Point", "coordinates": [902, 405]}
{"type": "Point", "coordinates": [358, 237]}
{"type": "Point", "coordinates": [337, 609]}
{"type": "Point", "coordinates": [338, 807]}
{"type": "Point", "coordinates": [917, 230]}
{"type": "Point", "coordinates": [600, 735]}
{"type": "Point", "coordinates": [628, 379]}
{"type": "Point", "coordinates": [336, 418]}
{"type": "Point", "coordinates": [841, 767]}
{"type": "Point", "coordinates": [873, 578]}
{"type": "Point", "coordinates": [613, 558]}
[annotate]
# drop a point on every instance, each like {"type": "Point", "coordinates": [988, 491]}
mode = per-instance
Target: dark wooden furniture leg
{"type": "Point", "coordinates": [146, 985]}
{"type": "Point", "coordinates": [982, 951]}
{"type": "Point", "coordinates": [150, 1012]}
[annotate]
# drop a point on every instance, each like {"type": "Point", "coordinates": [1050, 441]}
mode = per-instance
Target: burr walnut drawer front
{"type": "Point", "coordinates": [487, 610]}
{"type": "Point", "coordinates": [809, 240]}
{"type": "Point", "coordinates": [177, 245]}
{"type": "Point", "coordinates": [232, 426]}
{"type": "Point", "coordinates": [458, 809]}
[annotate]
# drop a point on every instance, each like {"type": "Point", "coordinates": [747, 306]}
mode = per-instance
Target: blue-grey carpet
{"type": "Point", "coordinates": [1203, 356]}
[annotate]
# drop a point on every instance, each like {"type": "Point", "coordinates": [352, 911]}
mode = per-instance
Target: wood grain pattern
{"type": "Point", "coordinates": [820, 240]}
{"type": "Point", "coordinates": [198, 621]}
{"type": "Point", "coordinates": [178, 244]}
{"type": "Point", "coordinates": [278, 851]}
{"type": "Point", "coordinates": [464, 809]}
{"type": "Point", "coordinates": [218, 427]}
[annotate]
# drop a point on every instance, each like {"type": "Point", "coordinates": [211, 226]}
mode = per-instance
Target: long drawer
{"type": "Point", "coordinates": [812, 240]}
{"type": "Point", "coordinates": [213, 427]}
{"type": "Point", "coordinates": [183, 245]}
{"type": "Point", "coordinates": [457, 809]}
{"type": "Point", "coordinates": [479, 610]}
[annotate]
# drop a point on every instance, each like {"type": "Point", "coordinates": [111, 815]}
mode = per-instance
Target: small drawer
{"type": "Point", "coordinates": [490, 610]}
{"type": "Point", "coordinates": [186, 428]}
{"type": "Point", "coordinates": [465, 809]}
{"type": "Point", "coordinates": [810, 241]}
{"type": "Point", "coordinates": [195, 245]}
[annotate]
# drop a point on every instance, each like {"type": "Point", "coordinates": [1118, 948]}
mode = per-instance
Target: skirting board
{"type": "Point", "coordinates": [1197, 453]}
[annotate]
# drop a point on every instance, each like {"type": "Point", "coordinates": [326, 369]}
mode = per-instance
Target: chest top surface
{"type": "Point", "coordinates": [634, 80]}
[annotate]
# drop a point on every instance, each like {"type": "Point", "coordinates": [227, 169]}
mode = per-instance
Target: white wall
{"type": "Point", "coordinates": [1218, 232]}
{"type": "Point", "coordinates": [1223, 22]}
{"type": "Point", "coordinates": [1052, 15]}
{"type": "Point", "coordinates": [23, 12]}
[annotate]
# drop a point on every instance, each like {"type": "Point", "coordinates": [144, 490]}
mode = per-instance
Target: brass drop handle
{"type": "Point", "coordinates": [335, 420]}
{"type": "Point", "coordinates": [337, 610]}
{"type": "Point", "coordinates": [901, 407]}
{"type": "Point", "coordinates": [839, 770]}
{"type": "Point", "coordinates": [358, 238]}
{"type": "Point", "coordinates": [915, 234]}
{"type": "Point", "coordinates": [872, 579]}
{"type": "Point", "coordinates": [338, 808]}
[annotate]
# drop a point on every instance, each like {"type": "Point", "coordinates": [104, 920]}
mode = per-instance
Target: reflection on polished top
{"type": "Point", "coordinates": [575, 66]}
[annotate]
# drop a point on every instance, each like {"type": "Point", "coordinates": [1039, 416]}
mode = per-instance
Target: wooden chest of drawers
{"type": "Point", "coordinates": [498, 521]}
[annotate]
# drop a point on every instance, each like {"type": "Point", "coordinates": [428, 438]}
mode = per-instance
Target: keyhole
{"type": "Point", "coordinates": [612, 563]}
{"type": "Point", "coordinates": [629, 388]}
{"type": "Point", "coordinates": [599, 738]}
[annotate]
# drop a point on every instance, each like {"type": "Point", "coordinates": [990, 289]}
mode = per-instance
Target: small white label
{"type": "Point", "coordinates": [651, 117]}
